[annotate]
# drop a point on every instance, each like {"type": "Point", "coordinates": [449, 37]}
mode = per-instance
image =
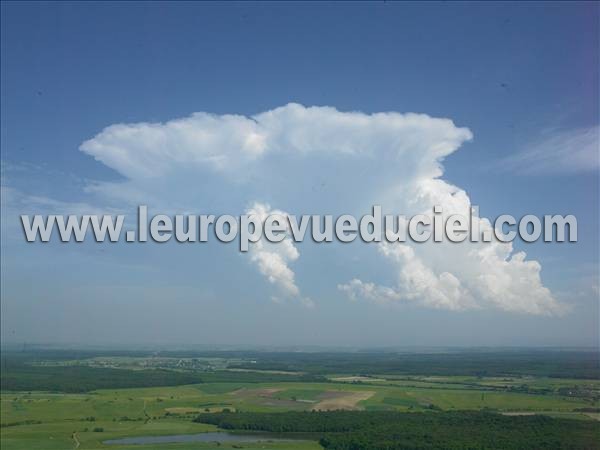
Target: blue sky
{"type": "Point", "coordinates": [520, 77]}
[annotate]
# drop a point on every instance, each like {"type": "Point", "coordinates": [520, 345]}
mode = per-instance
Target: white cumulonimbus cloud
{"type": "Point", "coordinates": [325, 161]}
{"type": "Point", "coordinates": [273, 259]}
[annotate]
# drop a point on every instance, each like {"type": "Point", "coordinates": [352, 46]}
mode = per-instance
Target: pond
{"type": "Point", "coordinates": [220, 436]}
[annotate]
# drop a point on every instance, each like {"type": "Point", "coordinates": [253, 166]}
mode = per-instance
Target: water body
{"type": "Point", "coordinates": [200, 437]}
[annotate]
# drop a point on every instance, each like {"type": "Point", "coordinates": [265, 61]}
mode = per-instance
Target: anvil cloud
{"type": "Point", "coordinates": [298, 158]}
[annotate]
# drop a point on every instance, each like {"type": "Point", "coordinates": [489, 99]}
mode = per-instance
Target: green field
{"type": "Point", "coordinates": [41, 420]}
{"type": "Point", "coordinates": [84, 420]}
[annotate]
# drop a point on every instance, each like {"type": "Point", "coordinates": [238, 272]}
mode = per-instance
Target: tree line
{"type": "Point", "coordinates": [391, 430]}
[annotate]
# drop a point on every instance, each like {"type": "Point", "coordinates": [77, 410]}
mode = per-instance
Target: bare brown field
{"type": "Point", "coordinates": [332, 400]}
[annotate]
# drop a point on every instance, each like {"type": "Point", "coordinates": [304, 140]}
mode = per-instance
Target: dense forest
{"type": "Point", "coordinates": [551, 363]}
{"type": "Point", "coordinates": [384, 430]}
{"type": "Point", "coordinates": [19, 371]}
{"type": "Point", "coordinates": [19, 374]}
{"type": "Point", "coordinates": [75, 379]}
{"type": "Point", "coordinates": [475, 362]}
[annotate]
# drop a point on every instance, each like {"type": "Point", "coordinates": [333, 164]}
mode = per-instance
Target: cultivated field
{"type": "Point", "coordinates": [84, 420]}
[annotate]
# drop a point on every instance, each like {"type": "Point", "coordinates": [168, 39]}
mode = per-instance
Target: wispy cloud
{"type": "Point", "coordinates": [559, 152]}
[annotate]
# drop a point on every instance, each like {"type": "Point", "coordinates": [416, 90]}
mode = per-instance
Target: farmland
{"type": "Point", "coordinates": [47, 413]}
